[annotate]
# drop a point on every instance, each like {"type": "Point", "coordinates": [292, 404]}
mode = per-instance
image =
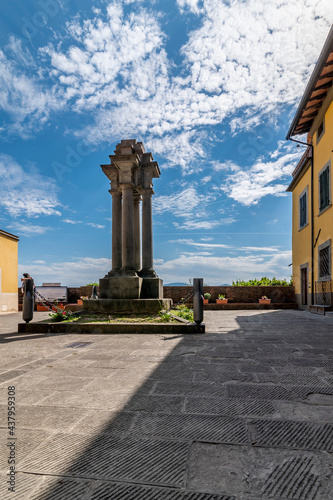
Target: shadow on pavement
{"type": "Point", "coordinates": [212, 396]}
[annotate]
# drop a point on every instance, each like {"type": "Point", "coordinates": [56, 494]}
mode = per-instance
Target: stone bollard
{"type": "Point", "coordinates": [94, 294]}
{"type": "Point", "coordinates": [198, 300]}
{"type": "Point", "coordinates": [28, 300]}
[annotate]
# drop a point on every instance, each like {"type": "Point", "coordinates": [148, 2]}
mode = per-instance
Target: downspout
{"type": "Point", "coordinates": [312, 217]}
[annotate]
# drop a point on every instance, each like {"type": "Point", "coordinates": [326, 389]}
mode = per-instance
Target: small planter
{"type": "Point", "coordinates": [264, 301]}
{"type": "Point", "coordinates": [205, 301]}
{"type": "Point", "coordinates": [80, 302]}
{"type": "Point", "coordinates": [42, 308]}
{"type": "Point", "coordinates": [221, 301]}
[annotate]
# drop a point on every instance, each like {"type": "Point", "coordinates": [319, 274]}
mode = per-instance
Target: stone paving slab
{"type": "Point", "coordinates": [241, 413]}
{"type": "Point", "coordinates": [260, 473]}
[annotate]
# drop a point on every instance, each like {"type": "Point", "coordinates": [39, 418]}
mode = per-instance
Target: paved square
{"type": "Point", "coordinates": [244, 412]}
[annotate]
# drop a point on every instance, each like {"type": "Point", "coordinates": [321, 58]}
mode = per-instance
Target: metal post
{"type": "Point", "coordinates": [28, 300]}
{"type": "Point", "coordinates": [198, 300]}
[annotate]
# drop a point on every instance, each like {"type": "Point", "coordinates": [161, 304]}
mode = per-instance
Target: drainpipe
{"type": "Point", "coordinates": [312, 217]}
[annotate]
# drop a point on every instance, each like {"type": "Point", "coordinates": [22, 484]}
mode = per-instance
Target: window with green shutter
{"type": "Point", "coordinates": [303, 210]}
{"type": "Point", "coordinates": [324, 189]}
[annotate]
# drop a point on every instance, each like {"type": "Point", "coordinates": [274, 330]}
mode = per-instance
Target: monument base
{"type": "Point", "coordinates": [152, 288]}
{"type": "Point", "coordinates": [120, 287]}
{"type": "Point", "coordinates": [126, 306]}
{"type": "Point", "coordinates": [130, 287]}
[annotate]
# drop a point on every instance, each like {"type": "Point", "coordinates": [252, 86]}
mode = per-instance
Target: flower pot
{"type": "Point", "coordinates": [42, 308]}
{"type": "Point", "coordinates": [221, 301]}
{"type": "Point", "coordinates": [205, 301]}
{"type": "Point", "coordinates": [80, 302]}
{"type": "Point", "coordinates": [264, 301]}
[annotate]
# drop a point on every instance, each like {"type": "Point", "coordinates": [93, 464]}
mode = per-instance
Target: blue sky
{"type": "Point", "coordinates": [209, 87]}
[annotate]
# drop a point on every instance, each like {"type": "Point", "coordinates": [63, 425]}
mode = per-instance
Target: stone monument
{"type": "Point", "coordinates": [132, 277]}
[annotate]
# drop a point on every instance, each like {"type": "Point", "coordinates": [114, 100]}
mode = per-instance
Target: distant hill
{"type": "Point", "coordinates": [177, 284]}
{"type": "Point", "coordinates": [186, 284]}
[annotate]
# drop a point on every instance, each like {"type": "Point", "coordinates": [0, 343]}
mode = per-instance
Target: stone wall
{"type": "Point", "coordinates": [236, 294]}
{"type": "Point", "coordinates": [74, 293]}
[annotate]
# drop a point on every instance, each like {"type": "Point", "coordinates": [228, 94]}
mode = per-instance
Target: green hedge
{"type": "Point", "coordinates": [264, 281]}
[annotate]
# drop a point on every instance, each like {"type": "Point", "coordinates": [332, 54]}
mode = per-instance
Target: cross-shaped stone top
{"type": "Point", "coordinates": [131, 165]}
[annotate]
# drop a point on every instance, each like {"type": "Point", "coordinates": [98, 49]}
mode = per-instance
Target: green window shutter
{"type": "Point", "coordinates": [324, 189]}
{"type": "Point", "coordinates": [302, 210]}
{"type": "Point", "coordinates": [321, 191]}
{"type": "Point", "coordinates": [327, 187]}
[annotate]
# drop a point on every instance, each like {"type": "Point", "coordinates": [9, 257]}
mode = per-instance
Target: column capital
{"type": "Point", "coordinates": [147, 192]}
{"type": "Point", "coordinates": [115, 192]}
{"type": "Point", "coordinates": [137, 197]}
{"type": "Point", "coordinates": [126, 186]}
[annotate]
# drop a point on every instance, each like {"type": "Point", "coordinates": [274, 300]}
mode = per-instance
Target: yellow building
{"type": "Point", "coordinates": [311, 187]}
{"type": "Point", "coordinates": [8, 271]}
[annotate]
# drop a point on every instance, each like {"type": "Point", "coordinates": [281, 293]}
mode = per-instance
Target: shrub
{"type": "Point", "coordinates": [264, 281]}
{"type": "Point", "coordinates": [61, 316]}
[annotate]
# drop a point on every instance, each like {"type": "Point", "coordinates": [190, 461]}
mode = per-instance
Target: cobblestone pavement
{"type": "Point", "coordinates": [242, 412]}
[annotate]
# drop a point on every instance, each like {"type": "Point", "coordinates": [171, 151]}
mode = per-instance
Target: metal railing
{"type": "Point", "coordinates": [323, 293]}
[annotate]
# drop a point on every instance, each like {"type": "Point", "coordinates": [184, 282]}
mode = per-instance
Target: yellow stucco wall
{"type": "Point", "coordinates": [322, 156]}
{"type": "Point", "coordinates": [301, 239]}
{"type": "Point", "coordinates": [8, 264]}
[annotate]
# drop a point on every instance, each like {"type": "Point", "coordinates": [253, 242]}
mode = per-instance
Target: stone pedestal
{"type": "Point", "coordinates": [120, 287]}
{"type": "Point", "coordinates": [126, 306]}
{"type": "Point", "coordinates": [152, 288]}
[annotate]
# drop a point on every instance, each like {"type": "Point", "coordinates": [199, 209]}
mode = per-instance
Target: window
{"type": "Point", "coordinates": [303, 208]}
{"type": "Point", "coordinates": [324, 260]}
{"type": "Point", "coordinates": [320, 131]}
{"type": "Point", "coordinates": [324, 188]}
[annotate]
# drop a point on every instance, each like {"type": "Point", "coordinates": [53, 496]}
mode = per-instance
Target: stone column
{"type": "Point", "coordinates": [127, 228]}
{"type": "Point", "coordinates": [137, 235]}
{"type": "Point", "coordinates": [116, 231]}
{"type": "Point", "coordinates": [147, 233]}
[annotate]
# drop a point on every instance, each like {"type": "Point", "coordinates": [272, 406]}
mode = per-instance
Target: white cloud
{"type": "Point", "coordinates": [245, 60]}
{"type": "Point", "coordinates": [96, 226]}
{"type": "Point", "coordinates": [254, 55]}
{"type": "Point", "coordinates": [260, 249]}
{"type": "Point", "coordinates": [212, 246]}
{"type": "Point", "coordinates": [217, 270]}
{"type": "Point", "coordinates": [193, 207]}
{"type": "Point", "coordinates": [70, 221]}
{"type": "Point", "coordinates": [249, 186]}
{"type": "Point", "coordinates": [26, 191]}
{"type": "Point", "coordinates": [192, 5]}
{"type": "Point", "coordinates": [181, 204]}
{"type": "Point", "coordinates": [26, 229]}
{"type": "Point", "coordinates": [24, 97]}
{"type": "Point", "coordinates": [107, 66]}
{"type": "Point", "coordinates": [74, 272]}
{"type": "Point", "coordinates": [203, 224]}
{"type": "Point", "coordinates": [92, 224]}
{"type": "Point", "coordinates": [197, 244]}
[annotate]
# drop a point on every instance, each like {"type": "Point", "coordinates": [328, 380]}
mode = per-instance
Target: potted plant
{"type": "Point", "coordinates": [264, 300]}
{"type": "Point", "coordinates": [58, 305]}
{"type": "Point", "coordinates": [81, 299]}
{"type": "Point", "coordinates": [221, 299]}
{"type": "Point", "coordinates": [42, 307]}
{"type": "Point", "coordinates": [207, 296]}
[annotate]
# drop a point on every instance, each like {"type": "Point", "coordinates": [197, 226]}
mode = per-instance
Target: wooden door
{"type": "Point", "coordinates": [304, 286]}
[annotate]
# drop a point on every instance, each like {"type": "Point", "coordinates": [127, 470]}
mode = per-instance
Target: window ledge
{"type": "Point", "coordinates": [300, 228]}
{"type": "Point", "coordinates": [324, 209]}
